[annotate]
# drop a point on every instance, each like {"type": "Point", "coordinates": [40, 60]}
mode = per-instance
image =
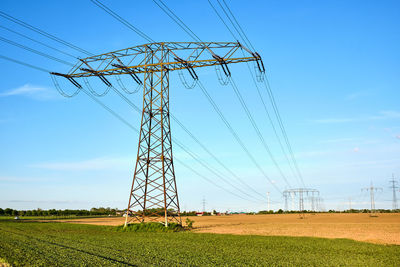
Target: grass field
{"type": "Point", "coordinates": [384, 229]}
{"type": "Point", "coordinates": [51, 244]}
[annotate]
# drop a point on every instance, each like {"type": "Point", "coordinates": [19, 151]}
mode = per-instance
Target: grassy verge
{"type": "Point", "coordinates": [49, 244]}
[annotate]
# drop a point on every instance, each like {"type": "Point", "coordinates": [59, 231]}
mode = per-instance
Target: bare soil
{"type": "Point", "coordinates": [384, 229]}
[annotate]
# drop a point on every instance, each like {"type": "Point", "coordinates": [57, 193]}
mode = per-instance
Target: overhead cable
{"type": "Point", "coordinates": [35, 51]}
{"type": "Point", "coordinates": [122, 20]}
{"type": "Point", "coordinates": [41, 32]}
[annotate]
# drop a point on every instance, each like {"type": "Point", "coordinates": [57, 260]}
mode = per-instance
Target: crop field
{"type": "Point", "coordinates": [62, 244]}
{"type": "Point", "coordinates": [384, 229]}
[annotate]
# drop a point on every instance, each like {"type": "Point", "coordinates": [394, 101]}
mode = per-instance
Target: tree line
{"type": "Point", "coordinates": [54, 212]}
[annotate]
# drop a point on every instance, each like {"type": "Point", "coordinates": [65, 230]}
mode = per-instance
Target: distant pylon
{"type": "Point", "coordinates": [301, 193]}
{"type": "Point", "coordinates": [372, 190]}
{"type": "Point", "coordinates": [394, 187]}
{"type": "Point", "coordinates": [268, 202]}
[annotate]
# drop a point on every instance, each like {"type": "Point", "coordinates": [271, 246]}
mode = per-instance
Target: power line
{"type": "Point", "coordinates": [276, 111]}
{"type": "Point", "coordinates": [177, 20]}
{"type": "Point", "coordinates": [234, 26]}
{"type": "Point", "coordinates": [235, 135]}
{"type": "Point", "coordinates": [43, 33]}
{"type": "Point", "coordinates": [271, 122]}
{"type": "Point", "coordinates": [257, 130]}
{"type": "Point", "coordinates": [24, 64]}
{"type": "Point", "coordinates": [36, 41]}
{"type": "Point", "coordinates": [213, 156]}
{"type": "Point", "coordinates": [241, 29]}
{"type": "Point", "coordinates": [183, 26]}
{"type": "Point", "coordinates": [35, 51]}
{"type": "Point", "coordinates": [255, 83]}
{"type": "Point", "coordinates": [223, 21]}
{"type": "Point", "coordinates": [281, 125]}
{"type": "Point", "coordinates": [122, 20]}
{"type": "Point", "coordinates": [205, 178]}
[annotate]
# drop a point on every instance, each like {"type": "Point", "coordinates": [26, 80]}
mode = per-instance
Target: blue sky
{"type": "Point", "coordinates": [334, 67]}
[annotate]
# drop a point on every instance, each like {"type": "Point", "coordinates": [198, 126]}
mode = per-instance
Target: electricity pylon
{"type": "Point", "coordinates": [372, 191]}
{"type": "Point", "coordinates": [153, 195]}
{"type": "Point", "coordinates": [300, 192]}
{"type": "Point", "coordinates": [394, 187]}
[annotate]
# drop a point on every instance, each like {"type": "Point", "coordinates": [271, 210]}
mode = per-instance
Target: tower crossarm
{"type": "Point", "coordinates": [166, 56]}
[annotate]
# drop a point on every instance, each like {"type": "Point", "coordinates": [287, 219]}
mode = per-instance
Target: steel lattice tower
{"type": "Point", "coordinates": [372, 189]}
{"type": "Point", "coordinates": [394, 188]}
{"type": "Point", "coordinates": [154, 185]}
{"type": "Point", "coordinates": [153, 195]}
{"type": "Point", "coordinates": [300, 192]}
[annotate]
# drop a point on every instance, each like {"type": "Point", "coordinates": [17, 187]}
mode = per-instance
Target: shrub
{"type": "Point", "coordinates": [189, 223]}
{"type": "Point", "coordinates": [150, 227]}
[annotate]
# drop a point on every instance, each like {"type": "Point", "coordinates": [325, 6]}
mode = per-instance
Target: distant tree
{"type": "Point", "coordinates": [8, 212]}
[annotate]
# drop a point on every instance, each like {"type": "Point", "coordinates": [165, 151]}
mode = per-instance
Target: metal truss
{"type": "Point", "coordinates": [154, 196]}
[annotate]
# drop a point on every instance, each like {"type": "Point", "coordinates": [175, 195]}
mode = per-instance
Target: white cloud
{"type": "Point", "coordinates": [383, 115]}
{"type": "Point", "coordinates": [91, 164]}
{"type": "Point", "coordinates": [398, 136]}
{"type": "Point", "coordinates": [32, 91]}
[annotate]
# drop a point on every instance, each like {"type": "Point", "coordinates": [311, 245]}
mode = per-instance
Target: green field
{"type": "Point", "coordinates": [50, 244]}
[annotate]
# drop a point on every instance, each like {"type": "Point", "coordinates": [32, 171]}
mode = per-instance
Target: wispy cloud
{"type": "Point", "coordinates": [17, 179]}
{"type": "Point", "coordinates": [32, 91]}
{"type": "Point", "coordinates": [104, 163]}
{"type": "Point", "coordinates": [347, 141]}
{"type": "Point", "coordinates": [338, 140]}
{"type": "Point", "coordinates": [383, 115]}
{"type": "Point", "coordinates": [357, 95]}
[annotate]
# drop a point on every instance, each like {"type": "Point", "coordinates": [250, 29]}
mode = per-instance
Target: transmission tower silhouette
{"type": "Point", "coordinates": [153, 195]}
{"type": "Point", "coordinates": [394, 187]}
{"type": "Point", "coordinates": [312, 194]}
{"type": "Point", "coordinates": [372, 191]}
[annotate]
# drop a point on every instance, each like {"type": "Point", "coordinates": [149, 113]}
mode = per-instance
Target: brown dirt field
{"type": "Point", "coordinates": [384, 229]}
